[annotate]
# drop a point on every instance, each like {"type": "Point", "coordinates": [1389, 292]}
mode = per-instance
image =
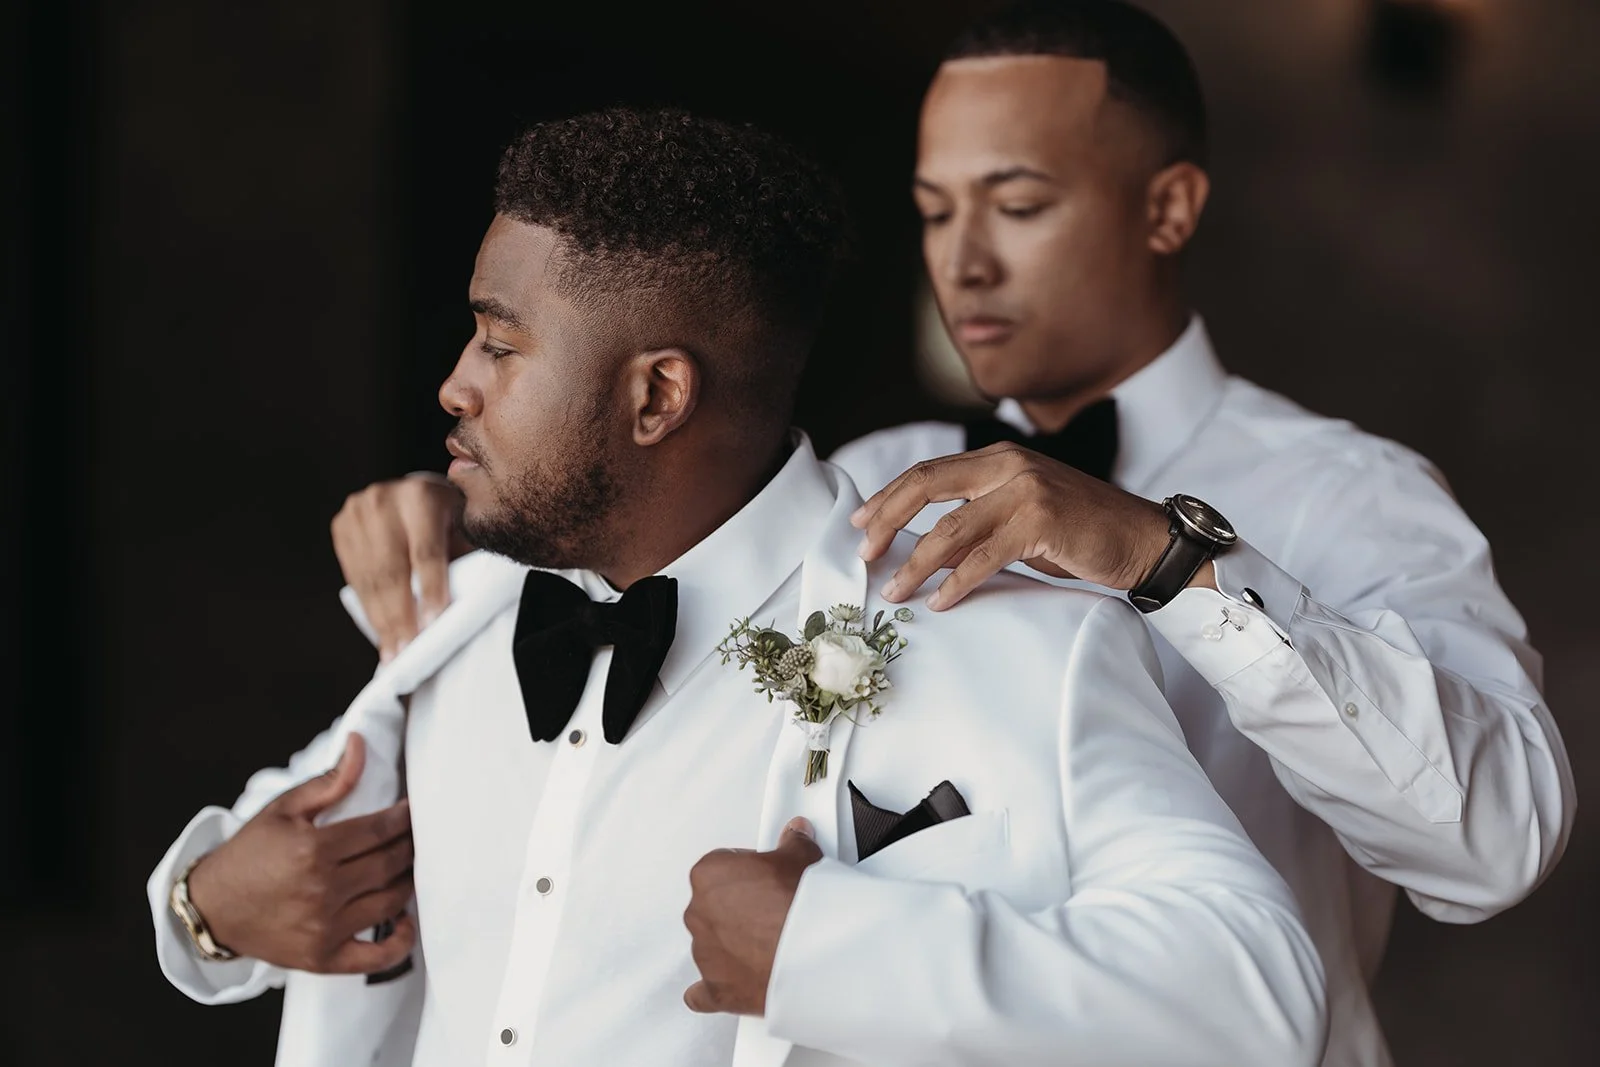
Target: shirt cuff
{"type": "Point", "coordinates": [1223, 631]}
{"type": "Point", "coordinates": [207, 981]}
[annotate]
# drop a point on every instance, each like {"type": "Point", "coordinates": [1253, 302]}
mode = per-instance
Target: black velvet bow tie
{"type": "Point", "coordinates": [558, 630]}
{"type": "Point", "coordinates": [1088, 442]}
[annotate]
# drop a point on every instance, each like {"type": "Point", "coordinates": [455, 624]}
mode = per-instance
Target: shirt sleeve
{"type": "Point", "coordinates": [1394, 689]}
{"type": "Point", "coordinates": [1176, 945]}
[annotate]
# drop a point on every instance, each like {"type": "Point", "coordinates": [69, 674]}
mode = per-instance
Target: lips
{"type": "Point", "coordinates": [983, 329]}
{"type": "Point", "coordinates": [463, 455]}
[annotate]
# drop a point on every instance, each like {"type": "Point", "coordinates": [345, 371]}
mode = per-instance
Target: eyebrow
{"type": "Point", "coordinates": [992, 179]}
{"type": "Point", "coordinates": [490, 308]}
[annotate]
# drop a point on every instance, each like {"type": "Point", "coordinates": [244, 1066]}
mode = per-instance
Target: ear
{"type": "Point", "coordinates": [1176, 199]}
{"type": "Point", "coordinates": [663, 387]}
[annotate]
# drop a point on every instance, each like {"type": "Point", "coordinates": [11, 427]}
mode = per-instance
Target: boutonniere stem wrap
{"type": "Point", "coordinates": [838, 665]}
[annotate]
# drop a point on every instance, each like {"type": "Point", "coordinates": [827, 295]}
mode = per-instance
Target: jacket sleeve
{"type": "Point", "coordinates": [1177, 945]}
{"type": "Point", "coordinates": [1394, 688]}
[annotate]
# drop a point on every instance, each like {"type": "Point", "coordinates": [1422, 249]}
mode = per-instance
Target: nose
{"type": "Point", "coordinates": [971, 263]}
{"type": "Point", "coordinates": [460, 395]}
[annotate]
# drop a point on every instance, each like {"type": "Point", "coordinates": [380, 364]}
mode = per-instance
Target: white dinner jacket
{"type": "Point", "coordinates": [1101, 905]}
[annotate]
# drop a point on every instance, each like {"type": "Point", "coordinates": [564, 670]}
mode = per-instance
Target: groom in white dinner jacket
{"type": "Point", "coordinates": [1071, 889]}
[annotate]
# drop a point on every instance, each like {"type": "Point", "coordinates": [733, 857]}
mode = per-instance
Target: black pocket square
{"type": "Point", "coordinates": [878, 828]}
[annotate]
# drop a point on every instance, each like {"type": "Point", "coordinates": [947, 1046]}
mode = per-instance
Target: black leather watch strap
{"type": "Point", "coordinates": [1184, 556]}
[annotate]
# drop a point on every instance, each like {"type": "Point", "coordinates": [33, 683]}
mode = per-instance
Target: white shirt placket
{"type": "Point", "coordinates": [546, 869]}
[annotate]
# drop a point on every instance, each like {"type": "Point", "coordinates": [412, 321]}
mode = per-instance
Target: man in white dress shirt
{"type": "Point", "coordinates": [1348, 672]}
{"type": "Point", "coordinates": [1019, 862]}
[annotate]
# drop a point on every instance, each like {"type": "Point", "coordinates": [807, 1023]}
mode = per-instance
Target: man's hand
{"type": "Point", "coordinates": [736, 913]}
{"type": "Point", "coordinates": [1020, 506]}
{"type": "Point", "coordinates": [294, 894]}
{"type": "Point", "coordinates": [386, 532]}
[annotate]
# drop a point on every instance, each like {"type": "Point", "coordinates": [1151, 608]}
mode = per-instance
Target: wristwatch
{"type": "Point", "coordinates": [1199, 533]}
{"type": "Point", "coordinates": [199, 933]}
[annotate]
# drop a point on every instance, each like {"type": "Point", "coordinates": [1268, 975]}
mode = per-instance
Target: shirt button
{"type": "Point", "coordinates": [543, 886]}
{"type": "Point", "coordinates": [576, 738]}
{"type": "Point", "coordinates": [508, 1036]}
{"type": "Point", "coordinates": [1211, 632]}
{"type": "Point", "coordinates": [1351, 710]}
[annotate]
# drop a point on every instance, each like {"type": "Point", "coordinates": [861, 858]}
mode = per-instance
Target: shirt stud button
{"type": "Point", "coordinates": [1211, 632]}
{"type": "Point", "coordinates": [543, 886]}
{"type": "Point", "coordinates": [576, 738]}
{"type": "Point", "coordinates": [1351, 710]}
{"type": "Point", "coordinates": [508, 1036]}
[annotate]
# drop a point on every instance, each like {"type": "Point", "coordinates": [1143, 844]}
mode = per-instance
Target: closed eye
{"type": "Point", "coordinates": [1022, 211]}
{"type": "Point", "coordinates": [493, 351]}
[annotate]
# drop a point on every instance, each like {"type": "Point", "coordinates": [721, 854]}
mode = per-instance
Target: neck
{"type": "Point", "coordinates": [1135, 348]}
{"type": "Point", "coordinates": [704, 493]}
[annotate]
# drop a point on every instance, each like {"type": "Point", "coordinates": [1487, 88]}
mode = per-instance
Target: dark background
{"type": "Point", "coordinates": [236, 245]}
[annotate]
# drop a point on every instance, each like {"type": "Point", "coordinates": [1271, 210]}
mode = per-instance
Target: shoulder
{"type": "Point", "coordinates": [878, 458]}
{"type": "Point", "coordinates": [1273, 421]}
{"type": "Point", "coordinates": [1039, 625]}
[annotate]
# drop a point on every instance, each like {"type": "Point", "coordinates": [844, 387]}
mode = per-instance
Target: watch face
{"type": "Point", "coordinates": [1203, 520]}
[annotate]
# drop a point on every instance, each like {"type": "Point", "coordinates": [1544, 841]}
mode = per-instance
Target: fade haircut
{"type": "Point", "coordinates": [1147, 67]}
{"type": "Point", "coordinates": [716, 237]}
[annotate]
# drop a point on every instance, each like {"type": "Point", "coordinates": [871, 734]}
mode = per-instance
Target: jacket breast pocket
{"type": "Point", "coordinates": [967, 851]}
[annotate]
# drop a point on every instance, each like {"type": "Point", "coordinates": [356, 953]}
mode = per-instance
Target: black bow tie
{"type": "Point", "coordinates": [558, 630]}
{"type": "Point", "coordinates": [1088, 442]}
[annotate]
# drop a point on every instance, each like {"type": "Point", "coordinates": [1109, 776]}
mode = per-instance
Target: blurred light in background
{"type": "Point", "coordinates": [939, 366]}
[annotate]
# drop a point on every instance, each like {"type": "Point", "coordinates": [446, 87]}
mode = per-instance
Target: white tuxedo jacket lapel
{"type": "Point", "coordinates": [335, 1020]}
{"type": "Point", "coordinates": [832, 573]}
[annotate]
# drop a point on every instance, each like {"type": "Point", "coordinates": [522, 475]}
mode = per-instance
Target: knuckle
{"type": "Point", "coordinates": [949, 525]}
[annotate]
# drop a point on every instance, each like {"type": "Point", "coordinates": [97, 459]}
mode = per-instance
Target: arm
{"type": "Point", "coordinates": [203, 980]}
{"type": "Point", "coordinates": [282, 890]}
{"type": "Point", "coordinates": [1178, 944]}
{"type": "Point", "coordinates": [1401, 702]}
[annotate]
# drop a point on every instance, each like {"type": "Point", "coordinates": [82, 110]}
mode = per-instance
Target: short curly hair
{"type": "Point", "coordinates": [717, 233]}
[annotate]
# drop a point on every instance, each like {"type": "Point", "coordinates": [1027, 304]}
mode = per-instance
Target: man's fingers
{"type": "Point", "coordinates": [964, 477]}
{"type": "Point", "coordinates": [951, 538]}
{"type": "Point", "coordinates": [798, 836]}
{"type": "Point", "coordinates": [981, 562]}
{"type": "Point", "coordinates": [350, 838]}
{"type": "Point", "coordinates": [365, 912]}
{"type": "Point", "coordinates": [308, 798]}
{"type": "Point", "coordinates": [376, 869]}
{"type": "Point", "coordinates": [374, 957]}
{"type": "Point", "coordinates": [702, 998]}
{"type": "Point", "coordinates": [428, 522]}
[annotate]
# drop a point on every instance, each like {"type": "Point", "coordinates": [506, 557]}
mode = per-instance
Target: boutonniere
{"type": "Point", "coordinates": [836, 666]}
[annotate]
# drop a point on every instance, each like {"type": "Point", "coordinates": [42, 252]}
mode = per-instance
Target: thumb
{"type": "Point", "coordinates": [798, 835]}
{"type": "Point", "coordinates": [322, 792]}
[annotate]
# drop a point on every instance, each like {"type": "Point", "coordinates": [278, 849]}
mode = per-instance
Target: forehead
{"type": "Point", "coordinates": [994, 112]}
{"type": "Point", "coordinates": [516, 263]}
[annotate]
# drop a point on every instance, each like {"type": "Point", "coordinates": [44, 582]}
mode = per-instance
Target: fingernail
{"type": "Point", "coordinates": [385, 655]}
{"type": "Point", "coordinates": [802, 826]}
{"type": "Point", "coordinates": [428, 615]}
{"type": "Point", "coordinates": [858, 515]}
{"type": "Point", "coordinates": [861, 549]}
{"type": "Point", "coordinates": [936, 599]}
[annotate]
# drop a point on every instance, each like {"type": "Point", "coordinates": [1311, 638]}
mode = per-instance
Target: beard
{"type": "Point", "coordinates": [553, 515]}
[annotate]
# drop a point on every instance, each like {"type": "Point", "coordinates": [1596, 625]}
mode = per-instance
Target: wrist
{"type": "Point", "coordinates": [1205, 577]}
{"type": "Point", "coordinates": [196, 908]}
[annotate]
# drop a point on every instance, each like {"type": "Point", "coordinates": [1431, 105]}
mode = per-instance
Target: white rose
{"type": "Point", "coordinates": [841, 662]}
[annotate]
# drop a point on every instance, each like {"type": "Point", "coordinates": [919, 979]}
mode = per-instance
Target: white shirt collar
{"type": "Point", "coordinates": [736, 569]}
{"type": "Point", "coordinates": [1159, 407]}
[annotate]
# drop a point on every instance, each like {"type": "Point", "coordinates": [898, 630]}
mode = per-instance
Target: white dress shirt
{"type": "Point", "coordinates": [1379, 723]}
{"type": "Point", "coordinates": [1100, 904]}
